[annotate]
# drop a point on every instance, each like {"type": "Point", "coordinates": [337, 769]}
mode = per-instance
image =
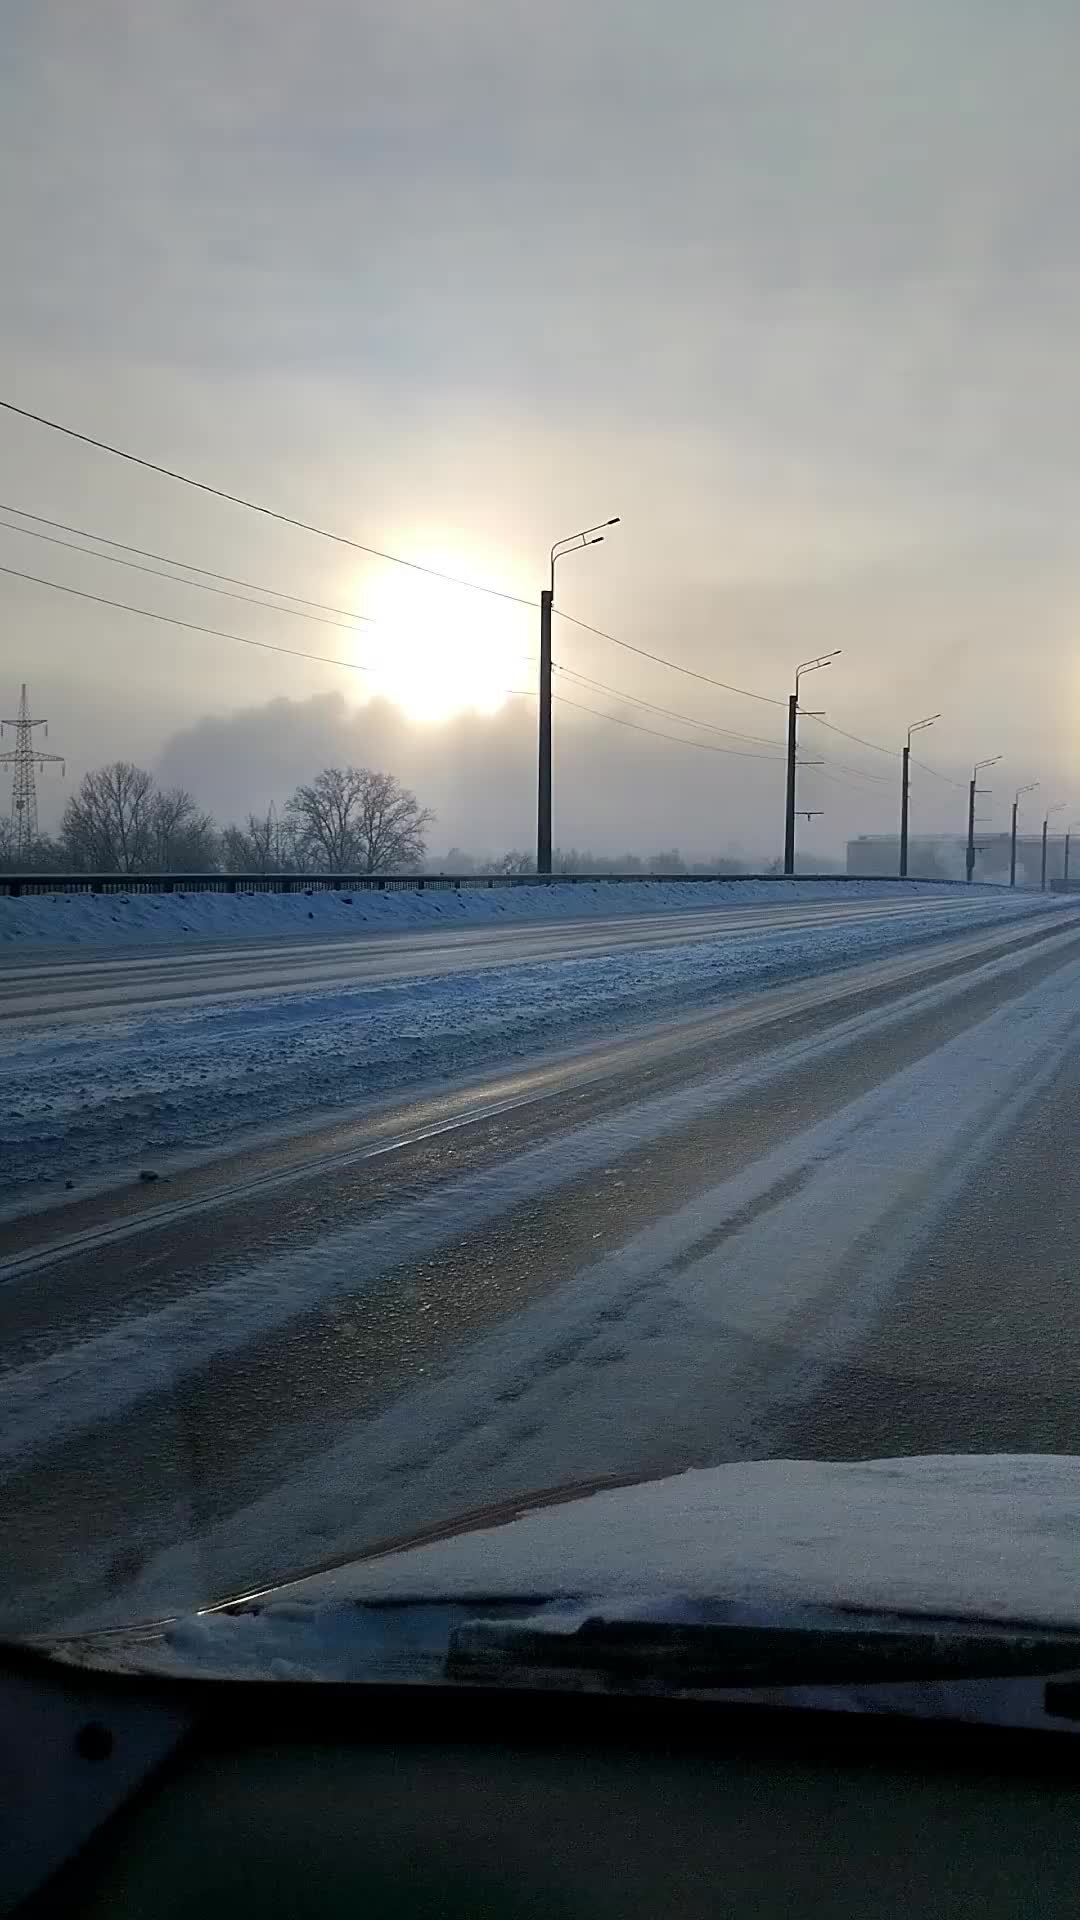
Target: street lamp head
{"type": "Point", "coordinates": [813, 666]}
{"type": "Point", "coordinates": [979, 764]}
{"type": "Point", "coordinates": [588, 537]}
{"type": "Point", "coordinates": [583, 532]}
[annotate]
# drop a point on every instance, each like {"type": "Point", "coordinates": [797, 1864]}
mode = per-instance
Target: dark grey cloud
{"type": "Point", "coordinates": [626, 792]}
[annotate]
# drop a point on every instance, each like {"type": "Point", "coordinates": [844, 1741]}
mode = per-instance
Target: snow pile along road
{"type": "Point", "coordinates": [92, 1100]}
{"type": "Point", "coordinates": [137, 919]}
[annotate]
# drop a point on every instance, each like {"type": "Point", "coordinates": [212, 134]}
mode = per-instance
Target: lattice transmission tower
{"type": "Point", "coordinates": [23, 762]}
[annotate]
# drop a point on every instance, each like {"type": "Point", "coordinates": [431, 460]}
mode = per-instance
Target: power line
{"type": "Point", "coordinates": [890, 752]}
{"type": "Point", "coordinates": [219, 633]}
{"type": "Point", "coordinates": [168, 559]}
{"type": "Point", "coordinates": [660, 661]}
{"type": "Point", "coordinates": [948, 779]}
{"type": "Point", "coordinates": [299, 653]}
{"type": "Point", "coordinates": [835, 780]}
{"type": "Point", "coordinates": [254, 506]}
{"type": "Point", "coordinates": [706, 746]}
{"type": "Point", "coordinates": [860, 773]}
{"type": "Point", "coordinates": [158, 573]}
{"type": "Point", "coordinates": [343, 626]}
{"type": "Point", "coordinates": [190, 626]}
{"type": "Point", "coordinates": [843, 778]}
{"type": "Point", "coordinates": [358, 546]}
{"type": "Point", "coordinates": [601, 686]}
{"type": "Point", "coordinates": [325, 607]}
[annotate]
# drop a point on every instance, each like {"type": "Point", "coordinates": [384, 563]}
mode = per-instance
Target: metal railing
{"type": "Point", "coordinates": [16, 886]}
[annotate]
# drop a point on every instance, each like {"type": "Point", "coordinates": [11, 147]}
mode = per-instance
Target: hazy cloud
{"type": "Point", "coordinates": [794, 289]}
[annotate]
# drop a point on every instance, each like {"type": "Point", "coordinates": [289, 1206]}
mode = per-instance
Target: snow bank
{"type": "Point", "coordinates": [106, 920]}
{"type": "Point", "coordinates": [85, 1099]}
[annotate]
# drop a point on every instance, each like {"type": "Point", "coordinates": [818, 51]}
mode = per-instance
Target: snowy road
{"type": "Point", "coordinates": [830, 1216]}
{"type": "Point", "coordinates": [117, 1064]}
{"type": "Point", "coordinates": [48, 989]}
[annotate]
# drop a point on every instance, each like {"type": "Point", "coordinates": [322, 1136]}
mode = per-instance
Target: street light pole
{"type": "Point", "coordinates": [973, 789]}
{"type": "Point", "coordinates": [543, 795]}
{"type": "Point", "coordinates": [1046, 823]}
{"type": "Point", "coordinates": [1070, 830]}
{"type": "Point", "coordinates": [905, 785]}
{"type": "Point", "coordinates": [589, 537]}
{"type": "Point", "coordinates": [1030, 788]}
{"type": "Point", "coordinates": [789, 805]}
{"type": "Point", "coordinates": [806, 666]}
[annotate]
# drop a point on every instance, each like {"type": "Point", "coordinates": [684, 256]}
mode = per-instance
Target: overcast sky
{"type": "Point", "coordinates": [793, 288]}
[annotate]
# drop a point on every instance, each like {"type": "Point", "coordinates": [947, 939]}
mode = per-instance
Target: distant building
{"type": "Point", "coordinates": [941, 856]}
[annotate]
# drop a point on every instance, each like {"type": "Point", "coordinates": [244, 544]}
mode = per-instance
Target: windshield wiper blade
{"type": "Point", "coordinates": [655, 1655]}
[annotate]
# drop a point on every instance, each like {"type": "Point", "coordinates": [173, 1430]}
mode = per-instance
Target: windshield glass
{"type": "Point", "coordinates": [483, 1017]}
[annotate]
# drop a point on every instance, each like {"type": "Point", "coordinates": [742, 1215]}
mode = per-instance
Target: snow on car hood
{"type": "Point", "coordinates": [995, 1537]}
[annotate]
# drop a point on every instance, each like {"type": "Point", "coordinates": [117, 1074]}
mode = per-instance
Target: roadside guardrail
{"type": "Point", "coordinates": [14, 886]}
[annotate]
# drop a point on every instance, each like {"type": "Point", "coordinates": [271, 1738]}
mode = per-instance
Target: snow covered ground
{"type": "Point", "coordinates": [134, 919]}
{"type": "Point", "coordinates": [92, 1101]}
{"type": "Point", "coordinates": [651, 1336]}
{"type": "Point", "coordinates": [58, 1396]}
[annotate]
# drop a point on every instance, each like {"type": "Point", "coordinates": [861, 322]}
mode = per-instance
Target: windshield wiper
{"type": "Point", "coordinates": [651, 1655]}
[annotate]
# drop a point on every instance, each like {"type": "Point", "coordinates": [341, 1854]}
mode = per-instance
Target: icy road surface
{"type": "Point", "coordinates": [204, 1046]}
{"type": "Point", "coordinates": [828, 1216]}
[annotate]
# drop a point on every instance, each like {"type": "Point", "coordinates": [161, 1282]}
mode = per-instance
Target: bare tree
{"type": "Point", "coordinates": [355, 818]}
{"type": "Point", "coordinates": [108, 823]}
{"type": "Point", "coordinates": [267, 844]}
{"type": "Point", "coordinates": [325, 815]}
{"type": "Point", "coordinates": [118, 823]}
{"type": "Point", "coordinates": [456, 861]}
{"type": "Point", "coordinates": [45, 855]}
{"type": "Point", "coordinates": [8, 843]}
{"type": "Point", "coordinates": [183, 838]}
{"type": "Point", "coordinates": [513, 862]}
{"type": "Point", "coordinates": [392, 825]}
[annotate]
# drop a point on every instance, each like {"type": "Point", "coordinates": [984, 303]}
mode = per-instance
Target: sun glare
{"type": "Point", "coordinates": [438, 650]}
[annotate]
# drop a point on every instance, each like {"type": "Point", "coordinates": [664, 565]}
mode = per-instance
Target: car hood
{"type": "Point", "coordinates": [991, 1539]}
{"type": "Point", "coordinates": [985, 1536]}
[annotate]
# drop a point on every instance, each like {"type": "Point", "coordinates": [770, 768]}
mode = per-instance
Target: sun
{"type": "Point", "coordinates": [437, 650]}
